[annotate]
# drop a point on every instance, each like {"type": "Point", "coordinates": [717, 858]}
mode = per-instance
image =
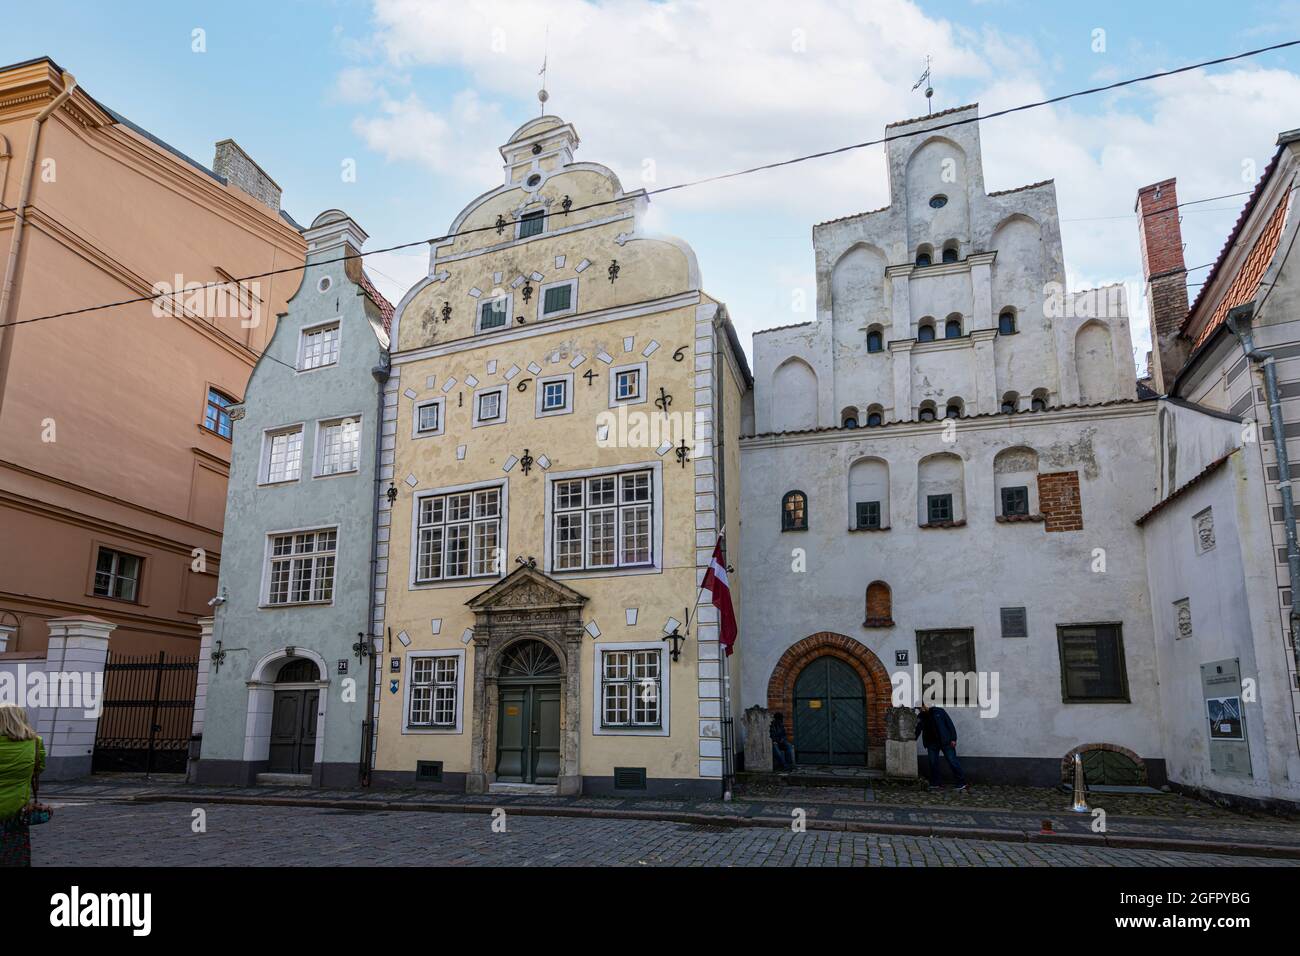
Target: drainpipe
{"type": "Point", "coordinates": [7, 299]}
{"type": "Point", "coordinates": [381, 374]}
{"type": "Point", "coordinates": [1239, 322]}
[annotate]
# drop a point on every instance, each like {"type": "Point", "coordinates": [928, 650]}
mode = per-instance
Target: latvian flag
{"type": "Point", "coordinates": [715, 582]}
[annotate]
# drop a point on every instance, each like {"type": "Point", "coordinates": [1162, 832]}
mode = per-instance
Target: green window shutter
{"type": "Point", "coordinates": [530, 224]}
{"type": "Point", "coordinates": [492, 315]}
{"type": "Point", "coordinates": [558, 298]}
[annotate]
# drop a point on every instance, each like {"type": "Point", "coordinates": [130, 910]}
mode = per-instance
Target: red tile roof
{"type": "Point", "coordinates": [383, 305]}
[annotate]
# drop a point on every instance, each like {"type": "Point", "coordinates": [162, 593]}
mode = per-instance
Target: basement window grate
{"type": "Point", "coordinates": [629, 778]}
{"type": "Point", "coordinates": [428, 771]}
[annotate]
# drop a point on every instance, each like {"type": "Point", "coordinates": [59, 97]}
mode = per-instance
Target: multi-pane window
{"type": "Point", "coordinates": [532, 223]}
{"type": "Point", "coordinates": [433, 692]}
{"type": "Point", "coordinates": [492, 313]}
{"type": "Point", "coordinates": [558, 298]}
{"type": "Point", "coordinates": [340, 446]}
{"type": "Point", "coordinates": [302, 567]}
{"type": "Point", "coordinates": [1092, 662]}
{"type": "Point", "coordinates": [117, 575]}
{"type": "Point", "coordinates": [627, 385]}
{"type": "Point", "coordinates": [952, 654]}
{"type": "Point", "coordinates": [320, 346]}
{"type": "Point", "coordinates": [868, 514]}
{"type": "Point", "coordinates": [938, 508]}
{"type": "Point", "coordinates": [630, 686]}
{"type": "Point", "coordinates": [554, 395]}
{"type": "Point", "coordinates": [602, 522]}
{"type": "Point", "coordinates": [283, 455]}
{"type": "Point", "coordinates": [1015, 501]}
{"type": "Point", "coordinates": [457, 535]}
{"type": "Point", "coordinates": [794, 511]}
{"type": "Point", "coordinates": [487, 406]}
{"type": "Point", "coordinates": [429, 417]}
{"type": "Point", "coordinates": [216, 417]}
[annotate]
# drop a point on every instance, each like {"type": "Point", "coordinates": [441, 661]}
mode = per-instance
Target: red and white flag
{"type": "Point", "coordinates": [715, 582]}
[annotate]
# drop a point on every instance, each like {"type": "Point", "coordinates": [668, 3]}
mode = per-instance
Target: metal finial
{"type": "Point", "coordinates": [927, 79]}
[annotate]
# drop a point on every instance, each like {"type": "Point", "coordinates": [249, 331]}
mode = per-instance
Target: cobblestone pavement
{"type": "Point", "coordinates": [159, 834]}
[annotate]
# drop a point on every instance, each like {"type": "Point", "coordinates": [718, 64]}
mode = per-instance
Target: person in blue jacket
{"type": "Point", "coordinates": [937, 732]}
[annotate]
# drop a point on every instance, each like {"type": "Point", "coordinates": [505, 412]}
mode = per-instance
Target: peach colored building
{"type": "Point", "coordinates": [114, 445]}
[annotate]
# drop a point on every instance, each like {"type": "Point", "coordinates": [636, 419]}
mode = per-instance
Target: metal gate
{"type": "Point", "coordinates": [148, 714]}
{"type": "Point", "coordinates": [728, 756]}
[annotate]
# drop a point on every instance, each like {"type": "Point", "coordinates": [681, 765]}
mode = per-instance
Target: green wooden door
{"type": "Point", "coordinates": [830, 715]}
{"type": "Point", "coordinates": [528, 735]}
{"type": "Point", "coordinates": [545, 712]}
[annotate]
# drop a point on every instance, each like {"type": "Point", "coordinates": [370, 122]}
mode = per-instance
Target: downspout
{"type": "Point", "coordinates": [1239, 322]}
{"type": "Point", "coordinates": [380, 373]}
{"type": "Point", "coordinates": [20, 221]}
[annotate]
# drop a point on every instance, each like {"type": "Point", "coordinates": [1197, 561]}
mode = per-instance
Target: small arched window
{"type": "Point", "coordinates": [1007, 323]}
{"type": "Point", "coordinates": [927, 413]}
{"type": "Point", "coordinates": [952, 328]}
{"type": "Point", "coordinates": [938, 201]}
{"type": "Point", "coordinates": [924, 255]}
{"type": "Point", "coordinates": [875, 341]}
{"type": "Point", "coordinates": [875, 416]}
{"type": "Point", "coordinates": [1010, 402]}
{"type": "Point", "coordinates": [954, 408]}
{"type": "Point", "coordinates": [849, 418]}
{"type": "Point", "coordinates": [1039, 400]}
{"type": "Point", "coordinates": [925, 332]}
{"type": "Point", "coordinates": [950, 254]}
{"type": "Point", "coordinates": [794, 511]}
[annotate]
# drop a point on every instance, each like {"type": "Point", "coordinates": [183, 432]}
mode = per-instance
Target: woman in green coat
{"type": "Point", "coordinates": [22, 758]}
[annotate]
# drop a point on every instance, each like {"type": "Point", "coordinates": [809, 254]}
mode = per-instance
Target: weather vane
{"type": "Point", "coordinates": [542, 95]}
{"type": "Point", "coordinates": [929, 86]}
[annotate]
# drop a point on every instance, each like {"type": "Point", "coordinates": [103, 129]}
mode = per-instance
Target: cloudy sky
{"type": "Point", "coordinates": [416, 95]}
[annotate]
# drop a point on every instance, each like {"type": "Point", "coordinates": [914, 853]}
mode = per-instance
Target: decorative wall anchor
{"type": "Point", "coordinates": [446, 312]}
{"type": "Point", "coordinates": [526, 462]}
{"type": "Point", "coordinates": [683, 455]}
{"type": "Point", "coordinates": [501, 224]}
{"type": "Point", "coordinates": [528, 562]}
{"type": "Point", "coordinates": [566, 204]}
{"type": "Point", "coordinates": [613, 270]}
{"type": "Point", "coordinates": [527, 292]}
{"type": "Point", "coordinates": [664, 400]}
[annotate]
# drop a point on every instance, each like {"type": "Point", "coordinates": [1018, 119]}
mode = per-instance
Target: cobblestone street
{"type": "Point", "coordinates": [120, 834]}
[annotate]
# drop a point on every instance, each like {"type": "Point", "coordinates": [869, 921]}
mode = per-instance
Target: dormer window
{"type": "Point", "coordinates": [531, 223]}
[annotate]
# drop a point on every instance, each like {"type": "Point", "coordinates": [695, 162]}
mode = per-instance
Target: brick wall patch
{"type": "Point", "coordinates": [1060, 502]}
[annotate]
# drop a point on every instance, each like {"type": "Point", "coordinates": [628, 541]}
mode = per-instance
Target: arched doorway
{"type": "Point", "coordinates": [528, 714]}
{"type": "Point", "coordinates": [294, 713]}
{"type": "Point", "coordinates": [830, 714]}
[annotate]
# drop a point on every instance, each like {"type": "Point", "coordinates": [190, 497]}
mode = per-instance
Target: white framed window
{"type": "Point", "coordinates": [117, 574]}
{"type": "Point", "coordinates": [604, 522]}
{"type": "Point", "coordinates": [300, 567]}
{"type": "Point", "coordinates": [627, 384]}
{"type": "Point", "coordinates": [490, 406]}
{"type": "Point", "coordinates": [494, 312]}
{"type": "Point", "coordinates": [318, 346]}
{"type": "Point", "coordinates": [435, 686]}
{"type": "Point", "coordinates": [281, 455]}
{"type": "Point", "coordinates": [631, 688]}
{"type": "Point", "coordinates": [532, 223]}
{"type": "Point", "coordinates": [557, 298]}
{"type": "Point", "coordinates": [554, 395]}
{"type": "Point", "coordinates": [338, 446]}
{"type": "Point", "coordinates": [458, 534]}
{"type": "Point", "coordinates": [428, 418]}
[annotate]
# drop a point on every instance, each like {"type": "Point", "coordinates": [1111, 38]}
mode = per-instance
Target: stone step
{"type": "Point", "coordinates": [531, 789]}
{"type": "Point", "coordinates": [284, 779]}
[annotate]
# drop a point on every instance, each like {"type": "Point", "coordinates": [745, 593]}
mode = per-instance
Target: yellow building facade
{"type": "Point", "coordinates": [561, 453]}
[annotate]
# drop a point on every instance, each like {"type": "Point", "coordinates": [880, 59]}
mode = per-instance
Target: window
{"type": "Point", "coordinates": [875, 341]}
{"type": "Point", "coordinates": [868, 514]}
{"type": "Point", "coordinates": [117, 575]}
{"type": "Point", "coordinates": [1015, 500]}
{"type": "Point", "coordinates": [458, 535]}
{"type": "Point", "coordinates": [952, 329]}
{"type": "Point", "coordinates": [1039, 401]}
{"type": "Point", "coordinates": [532, 223]}
{"type": "Point", "coordinates": [1015, 622]}
{"type": "Point", "coordinates": [874, 419]}
{"type": "Point", "coordinates": [950, 254]}
{"type": "Point", "coordinates": [794, 511]}
{"type": "Point", "coordinates": [554, 395]}
{"type": "Point", "coordinates": [923, 258]}
{"type": "Point", "coordinates": [490, 406]}
{"type": "Point", "coordinates": [938, 201]}
{"type": "Point", "coordinates": [282, 455]}
{"type": "Point", "coordinates": [849, 418]}
{"type": "Point", "coordinates": [1010, 402]}
{"type": "Point", "coordinates": [435, 682]}
{"type": "Point", "coordinates": [951, 653]}
{"type": "Point", "coordinates": [602, 522]}
{"type": "Point", "coordinates": [925, 333]}
{"type": "Point", "coordinates": [630, 688]}
{"type": "Point", "coordinates": [927, 413]}
{"type": "Point", "coordinates": [938, 508]}
{"type": "Point", "coordinates": [493, 313]}
{"type": "Point", "coordinates": [1092, 663]}
{"type": "Point", "coordinates": [429, 418]}
{"type": "Point", "coordinates": [1007, 323]}
{"type": "Point", "coordinates": [318, 347]}
{"type": "Point", "coordinates": [558, 298]}
{"type": "Point", "coordinates": [216, 417]}
{"type": "Point", "coordinates": [338, 447]}
{"type": "Point", "coordinates": [627, 384]}
{"type": "Point", "coordinates": [302, 567]}
{"type": "Point", "coordinates": [953, 410]}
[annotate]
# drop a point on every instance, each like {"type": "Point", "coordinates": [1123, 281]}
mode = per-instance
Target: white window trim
{"type": "Point", "coordinates": [665, 674]}
{"type": "Point", "coordinates": [460, 693]}
{"type": "Point", "coordinates": [264, 461]}
{"type": "Point", "coordinates": [519, 223]}
{"type": "Point", "coordinates": [501, 418]}
{"type": "Point", "coordinates": [318, 451]}
{"type": "Point", "coordinates": [614, 400]}
{"type": "Point", "coordinates": [442, 418]}
{"type": "Point", "coordinates": [657, 511]}
{"type": "Point", "coordinates": [264, 595]}
{"type": "Point", "coordinates": [412, 584]}
{"type": "Point", "coordinates": [573, 299]}
{"type": "Point", "coordinates": [478, 312]}
{"type": "Point", "coordinates": [302, 339]}
{"type": "Point", "coordinates": [567, 378]}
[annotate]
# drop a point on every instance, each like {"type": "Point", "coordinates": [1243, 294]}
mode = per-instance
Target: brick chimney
{"type": "Point", "coordinates": [237, 168]}
{"type": "Point", "coordinates": [1161, 238]}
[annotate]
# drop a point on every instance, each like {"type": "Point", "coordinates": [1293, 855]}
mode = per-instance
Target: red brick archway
{"type": "Point", "coordinates": [875, 680]}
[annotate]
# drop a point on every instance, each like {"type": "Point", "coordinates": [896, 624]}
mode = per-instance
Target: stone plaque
{"type": "Point", "coordinates": [1225, 717]}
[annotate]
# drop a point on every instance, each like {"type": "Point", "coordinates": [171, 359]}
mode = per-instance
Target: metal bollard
{"type": "Point", "coordinates": [1080, 799]}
